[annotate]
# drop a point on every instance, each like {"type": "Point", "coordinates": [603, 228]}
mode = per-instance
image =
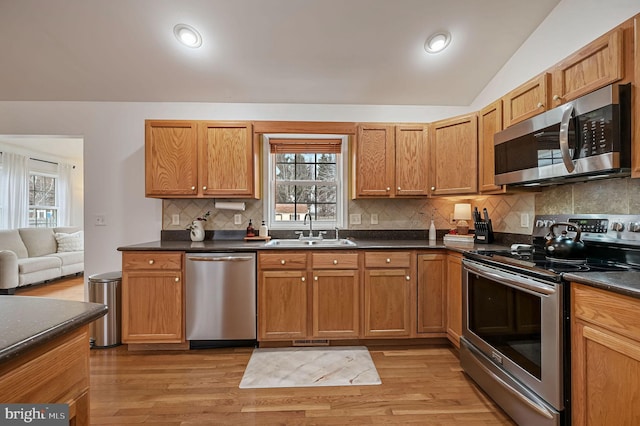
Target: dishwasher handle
{"type": "Point", "coordinates": [221, 259]}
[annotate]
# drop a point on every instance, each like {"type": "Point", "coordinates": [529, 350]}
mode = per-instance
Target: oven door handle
{"type": "Point", "coordinates": [508, 278]}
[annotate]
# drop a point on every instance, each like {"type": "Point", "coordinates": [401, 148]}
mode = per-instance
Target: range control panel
{"type": "Point", "coordinates": [621, 229]}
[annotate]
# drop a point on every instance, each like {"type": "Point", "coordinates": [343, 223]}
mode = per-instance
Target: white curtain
{"type": "Point", "coordinates": [14, 191]}
{"type": "Point", "coordinates": [64, 194]}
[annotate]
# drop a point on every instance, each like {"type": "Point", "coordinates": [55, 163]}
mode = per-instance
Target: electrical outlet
{"type": "Point", "coordinates": [237, 219]}
{"type": "Point", "coordinates": [374, 218]}
{"type": "Point", "coordinates": [524, 220]}
{"type": "Point", "coordinates": [175, 219]}
{"type": "Point", "coordinates": [355, 219]}
{"type": "Point", "coordinates": [100, 220]}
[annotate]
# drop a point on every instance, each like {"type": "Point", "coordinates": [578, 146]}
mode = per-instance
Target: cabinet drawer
{"type": "Point", "coordinates": [151, 260]}
{"type": "Point", "coordinates": [336, 260]}
{"type": "Point", "coordinates": [285, 260]}
{"type": "Point", "coordinates": [609, 310]}
{"type": "Point", "coordinates": [387, 259]}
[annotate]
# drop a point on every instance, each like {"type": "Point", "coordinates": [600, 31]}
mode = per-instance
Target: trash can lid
{"type": "Point", "coordinates": [106, 277]}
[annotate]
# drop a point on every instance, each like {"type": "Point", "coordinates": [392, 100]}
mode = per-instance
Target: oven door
{"type": "Point", "coordinates": [516, 322]}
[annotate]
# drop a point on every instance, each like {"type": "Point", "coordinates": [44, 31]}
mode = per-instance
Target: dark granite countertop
{"type": "Point", "coordinates": [244, 246]}
{"type": "Point", "coordinates": [626, 283]}
{"type": "Point", "coordinates": [26, 322]}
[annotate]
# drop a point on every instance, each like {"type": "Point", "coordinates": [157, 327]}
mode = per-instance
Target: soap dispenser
{"type": "Point", "coordinates": [432, 232]}
{"type": "Point", "coordinates": [264, 231]}
{"type": "Point", "coordinates": [251, 232]}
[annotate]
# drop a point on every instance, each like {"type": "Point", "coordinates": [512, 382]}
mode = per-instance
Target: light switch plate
{"type": "Point", "coordinates": [355, 219]}
{"type": "Point", "coordinates": [374, 218]}
{"type": "Point", "coordinates": [175, 219]}
{"type": "Point", "coordinates": [237, 219]}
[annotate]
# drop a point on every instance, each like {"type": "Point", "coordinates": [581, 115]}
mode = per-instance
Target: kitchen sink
{"type": "Point", "coordinates": [310, 243]}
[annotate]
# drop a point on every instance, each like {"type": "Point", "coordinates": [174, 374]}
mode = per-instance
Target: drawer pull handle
{"type": "Point", "coordinates": [204, 188]}
{"type": "Point", "coordinates": [433, 188]}
{"type": "Point", "coordinates": [399, 189]}
{"type": "Point", "coordinates": [556, 97]}
{"type": "Point", "coordinates": [303, 279]}
{"type": "Point", "coordinates": [388, 260]}
{"type": "Point", "coordinates": [388, 188]}
{"type": "Point", "coordinates": [151, 262]}
{"type": "Point", "coordinates": [540, 105]}
{"type": "Point", "coordinates": [282, 262]}
{"type": "Point", "coordinates": [177, 279]}
{"type": "Point", "coordinates": [335, 261]}
{"type": "Point", "coordinates": [193, 188]}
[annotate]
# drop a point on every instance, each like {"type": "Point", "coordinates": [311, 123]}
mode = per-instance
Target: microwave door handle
{"type": "Point", "coordinates": [564, 138]}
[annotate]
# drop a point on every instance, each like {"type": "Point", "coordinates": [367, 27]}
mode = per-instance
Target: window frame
{"type": "Point", "coordinates": [34, 172]}
{"type": "Point", "coordinates": [342, 167]}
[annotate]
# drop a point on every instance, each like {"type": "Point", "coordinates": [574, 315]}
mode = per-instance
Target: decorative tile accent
{"type": "Point", "coordinates": [305, 367]}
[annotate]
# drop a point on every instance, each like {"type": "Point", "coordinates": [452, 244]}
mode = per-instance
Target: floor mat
{"type": "Point", "coordinates": [304, 367]}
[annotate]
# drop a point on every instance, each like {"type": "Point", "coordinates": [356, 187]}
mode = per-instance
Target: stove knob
{"type": "Point", "coordinates": [634, 227]}
{"type": "Point", "coordinates": [617, 226]}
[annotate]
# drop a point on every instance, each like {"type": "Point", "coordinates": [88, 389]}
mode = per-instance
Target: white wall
{"type": "Point", "coordinates": [114, 132]}
{"type": "Point", "coordinates": [570, 25]}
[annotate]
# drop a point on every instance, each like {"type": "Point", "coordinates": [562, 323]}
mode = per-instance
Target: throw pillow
{"type": "Point", "coordinates": [70, 242]}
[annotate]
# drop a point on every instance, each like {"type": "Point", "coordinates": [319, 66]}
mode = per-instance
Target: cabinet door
{"type": "Point", "coordinates": [282, 305]}
{"type": "Point", "coordinates": [374, 156]}
{"type": "Point", "coordinates": [454, 298]}
{"type": "Point", "coordinates": [527, 100]}
{"type": "Point", "coordinates": [336, 300]}
{"type": "Point", "coordinates": [489, 123]}
{"type": "Point", "coordinates": [411, 163]}
{"type": "Point", "coordinates": [152, 306]}
{"type": "Point", "coordinates": [596, 65]}
{"type": "Point", "coordinates": [171, 158]}
{"type": "Point", "coordinates": [432, 290]}
{"type": "Point", "coordinates": [387, 303]}
{"type": "Point", "coordinates": [454, 156]}
{"type": "Point", "coordinates": [226, 168]}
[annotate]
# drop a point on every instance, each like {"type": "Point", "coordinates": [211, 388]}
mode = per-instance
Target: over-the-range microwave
{"type": "Point", "coordinates": [587, 138]}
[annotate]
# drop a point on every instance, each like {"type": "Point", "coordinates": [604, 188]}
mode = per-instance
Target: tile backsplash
{"type": "Point", "coordinates": [505, 212]}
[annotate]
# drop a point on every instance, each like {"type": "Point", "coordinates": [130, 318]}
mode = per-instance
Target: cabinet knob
{"type": "Point", "coordinates": [204, 188]}
{"type": "Point", "coordinates": [540, 105]}
{"type": "Point", "coordinates": [193, 188]}
{"type": "Point", "coordinates": [408, 278]}
{"type": "Point", "coordinates": [315, 278]}
{"type": "Point", "coordinates": [282, 262]}
{"type": "Point", "coordinates": [151, 262]}
{"type": "Point", "coordinates": [335, 261]}
{"type": "Point", "coordinates": [399, 189]}
{"type": "Point", "coordinates": [303, 279]}
{"type": "Point", "coordinates": [556, 97]}
{"type": "Point", "coordinates": [388, 189]}
{"type": "Point", "coordinates": [388, 260]}
{"type": "Point", "coordinates": [433, 188]}
{"type": "Point", "coordinates": [177, 279]}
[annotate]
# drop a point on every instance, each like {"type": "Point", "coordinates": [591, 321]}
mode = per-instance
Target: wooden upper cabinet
{"type": "Point", "coordinates": [599, 63]}
{"type": "Point", "coordinates": [374, 156]}
{"type": "Point", "coordinates": [453, 149]}
{"type": "Point", "coordinates": [489, 123]}
{"type": "Point", "coordinates": [411, 162]}
{"type": "Point", "coordinates": [527, 100]}
{"type": "Point", "coordinates": [199, 159]}
{"type": "Point", "coordinates": [226, 168]}
{"type": "Point", "coordinates": [171, 158]}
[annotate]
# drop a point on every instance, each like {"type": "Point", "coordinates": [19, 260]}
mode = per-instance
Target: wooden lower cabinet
{"type": "Point", "coordinates": [432, 291]}
{"type": "Point", "coordinates": [605, 356]}
{"type": "Point", "coordinates": [454, 298]}
{"type": "Point", "coordinates": [56, 372]}
{"type": "Point", "coordinates": [152, 297]}
{"type": "Point", "coordinates": [388, 288]}
{"type": "Point", "coordinates": [308, 295]}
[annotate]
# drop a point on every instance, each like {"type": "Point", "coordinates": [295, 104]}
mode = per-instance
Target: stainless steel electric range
{"type": "Point", "coordinates": [515, 340]}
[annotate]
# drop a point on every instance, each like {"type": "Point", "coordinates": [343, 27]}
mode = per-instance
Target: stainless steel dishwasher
{"type": "Point", "coordinates": [220, 298]}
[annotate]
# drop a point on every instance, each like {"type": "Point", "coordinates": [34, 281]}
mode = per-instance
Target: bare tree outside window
{"type": "Point", "coordinates": [43, 210]}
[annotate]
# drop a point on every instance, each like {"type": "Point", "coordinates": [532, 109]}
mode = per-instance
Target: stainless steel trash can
{"type": "Point", "coordinates": [106, 289]}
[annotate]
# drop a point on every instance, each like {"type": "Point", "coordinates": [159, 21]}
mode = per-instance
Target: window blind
{"type": "Point", "coordinates": [301, 146]}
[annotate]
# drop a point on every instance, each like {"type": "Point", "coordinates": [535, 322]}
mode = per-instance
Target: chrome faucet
{"type": "Point", "coordinates": [310, 224]}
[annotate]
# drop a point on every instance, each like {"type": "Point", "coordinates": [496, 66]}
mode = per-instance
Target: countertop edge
{"type": "Point", "coordinates": [626, 283]}
{"type": "Point", "coordinates": [96, 311]}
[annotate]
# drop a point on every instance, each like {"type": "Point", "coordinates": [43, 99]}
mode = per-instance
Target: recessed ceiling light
{"type": "Point", "coordinates": [437, 42]}
{"type": "Point", "coordinates": [187, 35]}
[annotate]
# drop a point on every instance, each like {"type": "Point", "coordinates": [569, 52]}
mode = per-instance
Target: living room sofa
{"type": "Point", "coordinates": [36, 255]}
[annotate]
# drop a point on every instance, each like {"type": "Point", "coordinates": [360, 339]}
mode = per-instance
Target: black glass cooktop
{"type": "Point", "coordinates": [536, 263]}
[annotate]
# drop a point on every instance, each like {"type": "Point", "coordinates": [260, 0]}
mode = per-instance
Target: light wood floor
{"type": "Point", "coordinates": [420, 385]}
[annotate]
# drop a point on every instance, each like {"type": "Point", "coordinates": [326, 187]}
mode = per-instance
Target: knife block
{"type": "Point", "coordinates": [484, 232]}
